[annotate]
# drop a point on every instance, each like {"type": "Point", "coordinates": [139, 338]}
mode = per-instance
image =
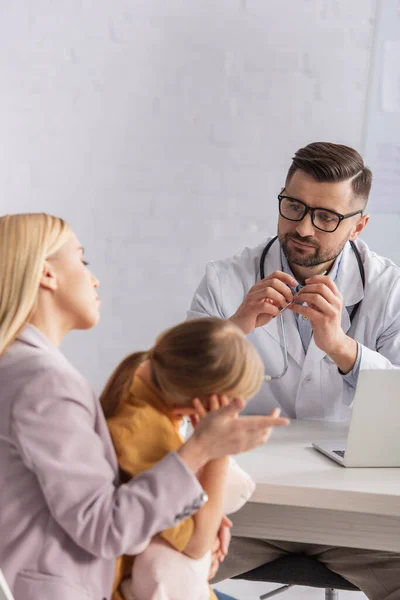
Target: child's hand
{"type": "Point", "coordinates": [220, 547]}
{"type": "Point", "coordinates": [214, 403]}
{"type": "Point", "coordinates": [214, 565]}
{"type": "Point", "coordinates": [224, 536]}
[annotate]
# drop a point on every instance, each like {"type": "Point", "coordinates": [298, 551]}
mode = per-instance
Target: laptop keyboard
{"type": "Point", "coordinates": [339, 453]}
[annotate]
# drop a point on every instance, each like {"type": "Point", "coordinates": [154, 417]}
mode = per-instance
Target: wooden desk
{"type": "Point", "coordinates": [303, 496]}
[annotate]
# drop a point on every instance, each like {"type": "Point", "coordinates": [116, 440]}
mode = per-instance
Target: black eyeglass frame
{"type": "Point", "coordinates": [309, 209]}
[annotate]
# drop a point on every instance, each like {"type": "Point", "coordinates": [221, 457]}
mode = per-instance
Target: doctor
{"type": "Point", "coordinates": [346, 313]}
{"type": "Point", "coordinates": [345, 317]}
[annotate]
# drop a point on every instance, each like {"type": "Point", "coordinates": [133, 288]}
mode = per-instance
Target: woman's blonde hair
{"type": "Point", "coordinates": [26, 241]}
{"type": "Point", "coordinates": [195, 358]}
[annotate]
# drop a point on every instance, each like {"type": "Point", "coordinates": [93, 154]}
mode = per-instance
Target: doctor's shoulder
{"type": "Point", "coordinates": [382, 289]}
{"type": "Point", "coordinates": [379, 270]}
{"type": "Point", "coordinates": [230, 279]}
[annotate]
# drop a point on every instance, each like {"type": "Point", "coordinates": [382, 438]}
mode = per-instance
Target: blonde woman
{"type": "Point", "coordinates": [63, 516]}
{"type": "Point", "coordinates": [145, 401]}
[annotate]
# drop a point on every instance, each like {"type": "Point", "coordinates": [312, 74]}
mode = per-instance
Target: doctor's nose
{"type": "Point", "coordinates": [305, 228]}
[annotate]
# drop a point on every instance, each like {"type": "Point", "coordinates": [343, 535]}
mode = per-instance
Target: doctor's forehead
{"type": "Point", "coordinates": [337, 195]}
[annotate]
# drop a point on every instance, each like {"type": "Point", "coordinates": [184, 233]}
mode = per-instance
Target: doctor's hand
{"type": "Point", "coordinates": [264, 300]}
{"type": "Point", "coordinates": [324, 309]}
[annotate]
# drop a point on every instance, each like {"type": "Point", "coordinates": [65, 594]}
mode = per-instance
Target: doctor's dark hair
{"type": "Point", "coordinates": [328, 162]}
{"type": "Point", "coordinates": [193, 359]}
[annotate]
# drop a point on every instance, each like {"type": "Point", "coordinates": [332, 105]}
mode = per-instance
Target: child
{"type": "Point", "coordinates": [145, 402]}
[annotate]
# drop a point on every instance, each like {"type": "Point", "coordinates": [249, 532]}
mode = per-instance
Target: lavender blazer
{"type": "Point", "coordinates": [63, 520]}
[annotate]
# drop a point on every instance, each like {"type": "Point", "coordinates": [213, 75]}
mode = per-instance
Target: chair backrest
{"type": "Point", "coordinates": [298, 569]}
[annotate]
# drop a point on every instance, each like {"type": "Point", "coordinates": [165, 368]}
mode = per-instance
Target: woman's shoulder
{"type": "Point", "coordinates": [28, 373]}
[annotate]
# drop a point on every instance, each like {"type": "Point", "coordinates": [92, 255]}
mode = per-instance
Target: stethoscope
{"type": "Point", "coordinates": [352, 314]}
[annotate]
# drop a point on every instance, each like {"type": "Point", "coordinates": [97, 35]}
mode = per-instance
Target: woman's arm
{"type": "Point", "coordinates": [53, 429]}
{"type": "Point", "coordinates": [53, 424]}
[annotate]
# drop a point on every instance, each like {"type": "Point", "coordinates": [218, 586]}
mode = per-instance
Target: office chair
{"type": "Point", "coordinates": [299, 569]}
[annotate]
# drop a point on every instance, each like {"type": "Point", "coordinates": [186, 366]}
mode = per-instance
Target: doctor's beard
{"type": "Point", "coordinates": [309, 258]}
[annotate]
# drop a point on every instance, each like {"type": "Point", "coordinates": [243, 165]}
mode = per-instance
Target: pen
{"type": "Point", "coordinates": [292, 302]}
{"type": "Point", "coordinates": [285, 307]}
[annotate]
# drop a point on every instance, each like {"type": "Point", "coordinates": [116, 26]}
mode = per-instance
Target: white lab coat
{"type": "Point", "coordinates": [312, 388]}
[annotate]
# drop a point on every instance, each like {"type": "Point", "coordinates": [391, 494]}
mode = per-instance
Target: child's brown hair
{"type": "Point", "coordinates": [192, 359]}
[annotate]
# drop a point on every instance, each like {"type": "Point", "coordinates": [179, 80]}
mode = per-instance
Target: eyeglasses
{"type": "Point", "coordinates": [322, 219]}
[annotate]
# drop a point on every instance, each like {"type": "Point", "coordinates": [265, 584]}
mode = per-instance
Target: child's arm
{"type": "Point", "coordinates": [208, 519]}
{"type": "Point", "coordinates": [213, 480]}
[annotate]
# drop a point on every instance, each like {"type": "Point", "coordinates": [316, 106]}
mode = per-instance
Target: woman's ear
{"type": "Point", "coordinates": [48, 278]}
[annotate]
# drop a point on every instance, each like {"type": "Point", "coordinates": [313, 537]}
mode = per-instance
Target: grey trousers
{"type": "Point", "coordinates": [376, 573]}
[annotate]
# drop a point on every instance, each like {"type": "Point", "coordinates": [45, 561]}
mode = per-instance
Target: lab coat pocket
{"type": "Point", "coordinates": [32, 585]}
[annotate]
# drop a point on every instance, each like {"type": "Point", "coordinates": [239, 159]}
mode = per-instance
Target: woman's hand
{"type": "Point", "coordinates": [222, 432]}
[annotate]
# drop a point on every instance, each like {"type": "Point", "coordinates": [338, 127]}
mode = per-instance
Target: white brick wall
{"type": "Point", "coordinates": [162, 131]}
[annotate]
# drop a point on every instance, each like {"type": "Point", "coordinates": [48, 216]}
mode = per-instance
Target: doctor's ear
{"type": "Point", "coordinates": [48, 279]}
{"type": "Point", "coordinates": [362, 223]}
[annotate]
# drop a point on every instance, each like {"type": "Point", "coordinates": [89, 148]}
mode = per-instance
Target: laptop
{"type": "Point", "coordinates": [373, 438]}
